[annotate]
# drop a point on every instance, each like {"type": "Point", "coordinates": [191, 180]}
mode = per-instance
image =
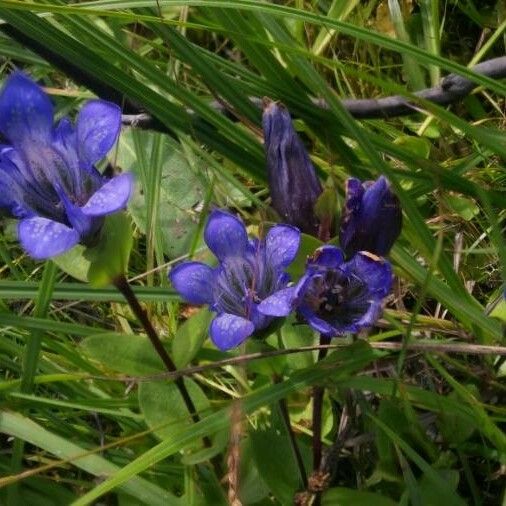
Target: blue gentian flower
{"type": "Point", "coordinates": [47, 175]}
{"type": "Point", "coordinates": [371, 219]}
{"type": "Point", "coordinates": [336, 297]}
{"type": "Point", "coordinates": [248, 272]}
{"type": "Point", "coordinates": [293, 184]}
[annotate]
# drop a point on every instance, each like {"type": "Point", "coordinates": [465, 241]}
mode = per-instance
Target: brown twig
{"type": "Point", "coordinates": [452, 89]}
{"type": "Point", "coordinates": [318, 393]}
{"type": "Point", "coordinates": [470, 349]}
{"type": "Point", "coordinates": [234, 454]}
{"type": "Point", "coordinates": [121, 283]}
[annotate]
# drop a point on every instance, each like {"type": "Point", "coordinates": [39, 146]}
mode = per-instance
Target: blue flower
{"type": "Point", "coordinates": [47, 175]}
{"type": "Point", "coordinates": [248, 272]}
{"type": "Point", "coordinates": [371, 219]}
{"type": "Point", "coordinates": [293, 184]}
{"type": "Point", "coordinates": [336, 297]}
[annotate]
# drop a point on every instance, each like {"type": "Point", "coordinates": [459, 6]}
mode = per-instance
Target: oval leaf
{"type": "Point", "coordinates": [190, 336]}
{"type": "Point", "coordinates": [124, 353]}
{"type": "Point", "coordinates": [109, 258]}
{"type": "Point", "coordinates": [164, 409]}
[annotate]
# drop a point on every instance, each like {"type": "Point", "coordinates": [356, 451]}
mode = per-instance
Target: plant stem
{"type": "Point", "coordinates": [318, 392]}
{"type": "Point", "coordinates": [123, 286]}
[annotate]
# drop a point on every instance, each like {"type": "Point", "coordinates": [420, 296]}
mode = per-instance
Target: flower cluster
{"type": "Point", "coordinates": [48, 181]}
{"type": "Point", "coordinates": [341, 291]}
{"type": "Point", "coordinates": [48, 178]}
{"type": "Point", "coordinates": [250, 286]}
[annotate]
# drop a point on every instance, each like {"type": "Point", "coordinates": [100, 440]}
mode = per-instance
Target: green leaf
{"type": "Point", "coordinates": [308, 244]}
{"type": "Point", "coordinates": [390, 414]}
{"type": "Point", "coordinates": [463, 206]}
{"type": "Point", "coordinates": [180, 190]}
{"type": "Point", "coordinates": [326, 205]}
{"type": "Point", "coordinates": [466, 309]}
{"type": "Point", "coordinates": [446, 493]}
{"type": "Point", "coordinates": [483, 421]}
{"type": "Point", "coordinates": [341, 496]}
{"type": "Point", "coordinates": [454, 426]}
{"type": "Point", "coordinates": [27, 290]}
{"type": "Point", "coordinates": [340, 364]}
{"type": "Point", "coordinates": [499, 310]}
{"type": "Point", "coordinates": [31, 359]}
{"type": "Point", "coordinates": [109, 259]}
{"type": "Point", "coordinates": [190, 336]}
{"type": "Point", "coordinates": [75, 262]}
{"type": "Point", "coordinates": [417, 146]}
{"type": "Point", "coordinates": [295, 335]}
{"type": "Point", "coordinates": [219, 442]}
{"type": "Point", "coordinates": [164, 409]}
{"type": "Point", "coordinates": [252, 487]}
{"type": "Point", "coordinates": [127, 354]}
{"type": "Point", "coordinates": [278, 468]}
{"type": "Point", "coordinates": [429, 494]}
{"type": "Point", "coordinates": [278, 11]}
{"type": "Point", "coordinates": [16, 425]}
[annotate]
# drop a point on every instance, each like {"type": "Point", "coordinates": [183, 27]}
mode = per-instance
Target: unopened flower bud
{"type": "Point", "coordinates": [293, 183]}
{"type": "Point", "coordinates": [371, 219]}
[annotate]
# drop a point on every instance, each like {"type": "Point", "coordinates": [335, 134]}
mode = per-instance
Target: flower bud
{"type": "Point", "coordinates": [371, 219]}
{"type": "Point", "coordinates": [293, 183]}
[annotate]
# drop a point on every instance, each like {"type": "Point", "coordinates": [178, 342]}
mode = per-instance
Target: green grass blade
{"type": "Point", "coordinates": [30, 361]}
{"type": "Point", "coordinates": [17, 290]}
{"type": "Point", "coordinates": [413, 71]}
{"type": "Point", "coordinates": [349, 361]}
{"type": "Point", "coordinates": [19, 426]}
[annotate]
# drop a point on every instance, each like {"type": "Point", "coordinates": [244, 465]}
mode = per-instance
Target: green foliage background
{"type": "Point", "coordinates": [82, 416]}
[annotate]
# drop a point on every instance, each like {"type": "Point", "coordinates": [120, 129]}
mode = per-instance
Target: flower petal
{"type": "Point", "coordinates": [229, 330]}
{"type": "Point", "coordinates": [111, 197]}
{"type": "Point", "coordinates": [225, 235]}
{"type": "Point", "coordinates": [260, 320]}
{"type": "Point", "coordinates": [371, 316]}
{"type": "Point", "coordinates": [375, 271]}
{"type": "Point", "coordinates": [330, 257]}
{"type": "Point", "coordinates": [280, 303]}
{"type": "Point", "coordinates": [65, 143]}
{"type": "Point", "coordinates": [43, 238]}
{"type": "Point", "coordinates": [194, 281]}
{"type": "Point", "coordinates": [12, 189]}
{"type": "Point", "coordinates": [26, 112]}
{"type": "Point", "coordinates": [281, 245]}
{"type": "Point", "coordinates": [368, 319]}
{"type": "Point", "coordinates": [98, 126]}
{"type": "Point", "coordinates": [318, 324]}
{"type": "Point", "coordinates": [78, 220]}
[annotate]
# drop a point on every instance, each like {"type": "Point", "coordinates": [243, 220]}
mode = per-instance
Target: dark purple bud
{"type": "Point", "coordinates": [371, 219]}
{"type": "Point", "coordinates": [293, 184]}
